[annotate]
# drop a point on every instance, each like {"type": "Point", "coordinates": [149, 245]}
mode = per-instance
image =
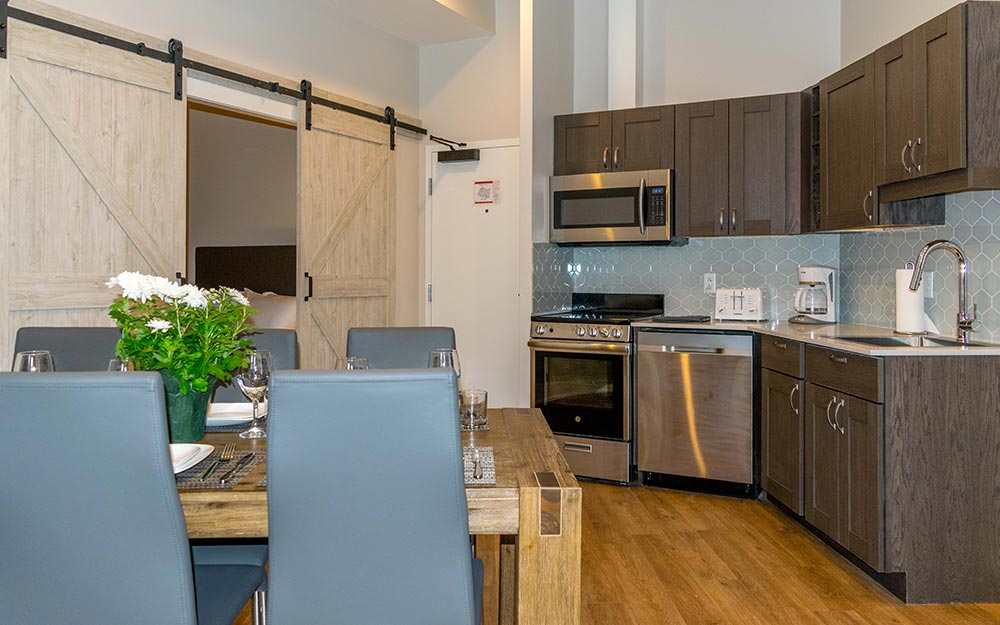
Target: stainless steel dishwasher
{"type": "Point", "coordinates": [695, 408]}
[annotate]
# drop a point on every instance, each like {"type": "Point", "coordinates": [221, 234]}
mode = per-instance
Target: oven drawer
{"type": "Point", "coordinates": [596, 458]}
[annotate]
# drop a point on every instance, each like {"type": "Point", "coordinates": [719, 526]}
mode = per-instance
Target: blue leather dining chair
{"type": "Point", "coordinates": [91, 526]}
{"type": "Point", "coordinates": [367, 516]}
{"type": "Point", "coordinates": [398, 348]}
{"type": "Point", "coordinates": [72, 349]}
{"type": "Point", "coordinates": [284, 347]}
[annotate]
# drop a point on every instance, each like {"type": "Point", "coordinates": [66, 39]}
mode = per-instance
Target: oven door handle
{"type": "Point", "coordinates": [571, 347]}
{"type": "Point", "coordinates": [677, 349]}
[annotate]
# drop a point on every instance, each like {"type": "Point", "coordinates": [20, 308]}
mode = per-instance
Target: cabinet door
{"type": "Point", "coordinates": [862, 495]}
{"type": "Point", "coordinates": [847, 148]}
{"type": "Point", "coordinates": [643, 138]}
{"type": "Point", "coordinates": [757, 158]}
{"type": "Point", "coordinates": [822, 480]}
{"type": "Point", "coordinates": [895, 110]}
{"type": "Point", "coordinates": [939, 82]}
{"type": "Point", "coordinates": [781, 438]}
{"type": "Point", "coordinates": [701, 205]}
{"type": "Point", "coordinates": [582, 143]}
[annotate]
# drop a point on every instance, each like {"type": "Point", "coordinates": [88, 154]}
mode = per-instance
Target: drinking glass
{"type": "Point", "coordinates": [355, 363]}
{"type": "Point", "coordinates": [120, 365]}
{"type": "Point", "coordinates": [34, 361]}
{"type": "Point", "coordinates": [472, 410]}
{"type": "Point", "coordinates": [252, 380]}
{"type": "Point", "coordinates": [445, 359]}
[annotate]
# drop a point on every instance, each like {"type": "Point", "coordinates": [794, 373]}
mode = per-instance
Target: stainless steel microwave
{"type": "Point", "coordinates": [614, 207]}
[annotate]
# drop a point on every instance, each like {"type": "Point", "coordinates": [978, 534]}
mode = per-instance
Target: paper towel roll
{"type": "Point", "coordinates": [910, 315]}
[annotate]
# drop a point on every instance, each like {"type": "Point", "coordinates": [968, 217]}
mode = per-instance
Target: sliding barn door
{"type": "Point", "coordinates": [92, 177]}
{"type": "Point", "coordinates": [347, 234]}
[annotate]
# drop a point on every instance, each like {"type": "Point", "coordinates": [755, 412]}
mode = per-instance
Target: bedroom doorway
{"type": "Point", "coordinates": [241, 220]}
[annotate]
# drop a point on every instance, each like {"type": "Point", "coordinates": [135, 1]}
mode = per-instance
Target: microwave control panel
{"type": "Point", "coordinates": [656, 202]}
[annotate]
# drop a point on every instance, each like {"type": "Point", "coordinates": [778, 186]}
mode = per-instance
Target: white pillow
{"type": "Point", "coordinates": [273, 310]}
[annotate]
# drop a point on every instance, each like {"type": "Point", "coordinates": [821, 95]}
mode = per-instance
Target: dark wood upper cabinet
{"type": "Point", "coordinates": [625, 140]}
{"type": "Point", "coordinates": [848, 197]}
{"type": "Point", "coordinates": [781, 438]}
{"type": "Point", "coordinates": [701, 205]}
{"type": "Point", "coordinates": [895, 91]}
{"type": "Point", "coordinates": [582, 143]}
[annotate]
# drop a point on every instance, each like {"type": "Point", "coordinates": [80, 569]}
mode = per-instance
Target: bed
{"type": "Point", "coordinates": [264, 273]}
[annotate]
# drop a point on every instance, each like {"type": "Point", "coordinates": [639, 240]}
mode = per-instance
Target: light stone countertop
{"type": "Point", "coordinates": [827, 336]}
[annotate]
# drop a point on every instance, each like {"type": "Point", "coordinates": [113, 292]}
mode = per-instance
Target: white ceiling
{"type": "Point", "coordinates": [425, 22]}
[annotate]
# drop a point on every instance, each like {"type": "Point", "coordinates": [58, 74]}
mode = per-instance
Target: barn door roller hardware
{"type": "Point", "coordinates": [174, 55]}
{"type": "Point", "coordinates": [306, 89]}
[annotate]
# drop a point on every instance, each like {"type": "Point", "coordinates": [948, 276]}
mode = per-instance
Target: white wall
{"type": "Point", "coordinates": [590, 55]}
{"type": "Point", "coordinates": [866, 25]}
{"type": "Point", "coordinates": [241, 185]}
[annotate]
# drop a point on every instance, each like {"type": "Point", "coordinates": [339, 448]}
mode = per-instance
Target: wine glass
{"type": "Point", "coordinates": [33, 361]}
{"type": "Point", "coordinates": [445, 359]}
{"type": "Point", "coordinates": [252, 380]}
{"type": "Point", "coordinates": [120, 365]}
{"type": "Point", "coordinates": [266, 355]}
{"type": "Point", "coordinates": [355, 363]}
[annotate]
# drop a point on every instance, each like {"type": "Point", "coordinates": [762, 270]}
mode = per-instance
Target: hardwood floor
{"type": "Point", "coordinates": [663, 557]}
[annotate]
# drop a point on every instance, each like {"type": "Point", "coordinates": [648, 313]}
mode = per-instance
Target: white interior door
{"type": "Point", "coordinates": [473, 253]}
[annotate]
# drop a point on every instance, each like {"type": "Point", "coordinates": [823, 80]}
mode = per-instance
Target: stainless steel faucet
{"type": "Point", "coordinates": [964, 320]}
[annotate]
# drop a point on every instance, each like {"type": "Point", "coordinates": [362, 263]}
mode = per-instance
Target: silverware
{"type": "Point", "coordinates": [477, 465]}
{"type": "Point", "coordinates": [242, 462]}
{"type": "Point", "coordinates": [227, 454]}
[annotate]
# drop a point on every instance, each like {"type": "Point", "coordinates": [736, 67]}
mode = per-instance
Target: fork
{"type": "Point", "coordinates": [228, 452]}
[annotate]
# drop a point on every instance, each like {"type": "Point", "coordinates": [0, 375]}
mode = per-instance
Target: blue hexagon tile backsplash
{"type": "Point", "coordinates": [867, 263]}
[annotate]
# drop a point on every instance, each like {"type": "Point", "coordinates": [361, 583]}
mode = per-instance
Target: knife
{"type": "Point", "coordinates": [242, 462]}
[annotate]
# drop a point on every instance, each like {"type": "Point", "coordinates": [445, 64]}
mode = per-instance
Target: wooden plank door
{"type": "Point", "coordinates": [895, 109]}
{"type": "Point", "coordinates": [757, 164]}
{"type": "Point", "coordinates": [862, 491]}
{"type": "Point", "coordinates": [582, 143]}
{"type": "Point", "coordinates": [346, 232]}
{"type": "Point", "coordinates": [93, 177]}
{"type": "Point", "coordinates": [822, 477]}
{"type": "Point", "coordinates": [643, 138]}
{"type": "Point", "coordinates": [781, 439]}
{"type": "Point", "coordinates": [848, 197]}
{"type": "Point", "coordinates": [702, 158]}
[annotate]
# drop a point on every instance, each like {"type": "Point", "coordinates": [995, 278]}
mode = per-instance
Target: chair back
{"type": "Point", "coordinates": [91, 527]}
{"type": "Point", "coordinates": [72, 349]}
{"type": "Point", "coordinates": [367, 515]}
{"type": "Point", "coordinates": [398, 348]}
{"type": "Point", "coordinates": [284, 348]}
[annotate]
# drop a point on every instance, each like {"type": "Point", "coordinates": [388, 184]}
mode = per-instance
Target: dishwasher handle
{"type": "Point", "coordinates": [679, 349]}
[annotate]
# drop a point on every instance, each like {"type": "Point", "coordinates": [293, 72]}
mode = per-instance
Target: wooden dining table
{"type": "Point", "coordinates": [526, 527]}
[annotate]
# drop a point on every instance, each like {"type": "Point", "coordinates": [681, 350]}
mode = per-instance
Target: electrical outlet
{"type": "Point", "coordinates": [928, 281]}
{"type": "Point", "coordinates": [710, 282]}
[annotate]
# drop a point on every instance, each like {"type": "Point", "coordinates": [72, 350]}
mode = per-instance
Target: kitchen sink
{"type": "Point", "coordinates": [908, 341]}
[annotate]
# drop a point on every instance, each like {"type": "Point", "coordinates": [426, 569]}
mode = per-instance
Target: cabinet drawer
{"type": "Point", "coordinates": [849, 373]}
{"type": "Point", "coordinates": [782, 355]}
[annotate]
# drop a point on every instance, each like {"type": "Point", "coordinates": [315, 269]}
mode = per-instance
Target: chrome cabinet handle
{"type": "Point", "coordinates": [791, 399]}
{"type": "Point", "coordinates": [902, 156]}
{"type": "Point", "coordinates": [913, 157]}
{"type": "Point", "coordinates": [864, 205]}
{"type": "Point", "coordinates": [828, 406]}
{"type": "Point", "coordinates": [615, 158]}
{"type": "Point", "coordinates": [587, 449]}
{"type": "Point", "coordinates": [642, 200]}
{"type": "Point", "coordinates": [732, 219]}
{"type": "Point", "coordinates": [604, 158]}
{"type": "Point", "coordinates": [780, 345]}
{"type": "Point", "coordinates": [836, 416]}
{"type": "Point", "coordinates": [841, 359]}
{"type": "Point", "coordinates": [722, 219]}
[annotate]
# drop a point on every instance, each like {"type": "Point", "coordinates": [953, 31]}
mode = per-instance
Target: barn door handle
{"type": "Point", "coordinates": [180, 279]}
{"type": "Point", "coordinates": [309, 287]}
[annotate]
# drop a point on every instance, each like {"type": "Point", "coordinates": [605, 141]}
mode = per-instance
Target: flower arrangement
{"type": "Point", "coordinates": [196, 335]}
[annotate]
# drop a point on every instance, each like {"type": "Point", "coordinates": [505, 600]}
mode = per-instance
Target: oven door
{"type": "Point", "coordinates": [582, 388]}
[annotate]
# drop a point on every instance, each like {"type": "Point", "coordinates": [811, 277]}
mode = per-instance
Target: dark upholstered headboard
{"type": "Point", "coordinates": [257, 267]}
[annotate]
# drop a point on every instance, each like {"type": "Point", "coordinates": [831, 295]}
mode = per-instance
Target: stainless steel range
{"type": "Point", "coordinates": [581, 379]}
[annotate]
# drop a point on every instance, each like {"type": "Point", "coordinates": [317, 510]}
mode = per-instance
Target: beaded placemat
{"type": "Point", "coordinates": [486, 463]}
{"type": "Point", "coordinates": [191, 479]}
{"type": "Point", "coordinates": [236, 427]}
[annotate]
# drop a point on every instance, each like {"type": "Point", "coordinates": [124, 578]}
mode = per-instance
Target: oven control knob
{"type": "Point", "coordinates": [593, 331]}
{"type": "Point", "coordinates": [617, 333]}
{"type": "Point", "coordinates": [539, 329]}
{"type": "Point", "coordinates": [581, 331]}
{"type": "Point", "coordinates": [605, 332]}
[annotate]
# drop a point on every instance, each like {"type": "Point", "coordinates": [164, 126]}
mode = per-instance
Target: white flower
{"type": "Point", "coordinates": [237, 296]}
{"type": "Point", "coordinates": [158, 325]}
{"type": "Point", "coordinates": [134, 285]}
{"type": "Point", "coordinates": [194, 297]}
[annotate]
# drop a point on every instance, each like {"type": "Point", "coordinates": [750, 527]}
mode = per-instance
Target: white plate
{"type": "Point", "coordinates": [233, 413]}
{"type": "Point", "coordinates": [186, 455]}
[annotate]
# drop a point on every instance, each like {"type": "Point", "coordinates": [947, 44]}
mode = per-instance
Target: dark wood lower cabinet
{"type": "Point", "coordinates": [822, 477]}
{"type": "Point", "coordinates": [781, 439]}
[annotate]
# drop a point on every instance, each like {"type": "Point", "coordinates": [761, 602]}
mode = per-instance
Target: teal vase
{"type": "Point", "coordinates": [186, 413]}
